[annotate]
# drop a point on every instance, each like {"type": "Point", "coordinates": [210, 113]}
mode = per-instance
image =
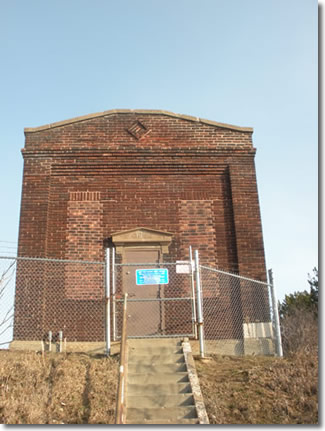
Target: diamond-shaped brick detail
{"type": "Point", "coordinates": [137, 130]}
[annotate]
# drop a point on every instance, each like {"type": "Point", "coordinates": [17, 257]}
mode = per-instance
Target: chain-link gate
{"type": "Point", "coordinates": [160, 299]}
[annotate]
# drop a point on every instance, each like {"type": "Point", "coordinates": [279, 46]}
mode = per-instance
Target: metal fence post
{"type": "Point", "coordinates": [113, 293]}
{"type": "Point", "coordinates": [275, 316]}
{"type": "Point", "coordinates": [107, 302]}
{"type": "Point", "coordinates": [50, 341]}
{"type": "Point", "coordinates": [194, 319]}
{"type": "Point", "coordinates": [199, 303]}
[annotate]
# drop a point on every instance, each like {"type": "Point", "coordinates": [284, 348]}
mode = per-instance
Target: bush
{"type": "Point", "coordinates": [299, 331]}
{"type": "Point", "coordinates": [299, 319]}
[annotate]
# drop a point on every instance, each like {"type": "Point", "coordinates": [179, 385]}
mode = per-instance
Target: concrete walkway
{"type": "Point", "coordinates": [160, 382]}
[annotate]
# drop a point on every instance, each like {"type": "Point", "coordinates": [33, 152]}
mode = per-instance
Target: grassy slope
{"type": "Point", "coordinates": [56, 389]}
{"type": "Point", "coordinates": [260, 390]}
{"type": "Point", "coordinates": [76, 388]}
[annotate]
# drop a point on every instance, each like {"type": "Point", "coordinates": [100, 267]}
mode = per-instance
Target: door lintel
{"type": "Point", "coordinates": [142, 237]}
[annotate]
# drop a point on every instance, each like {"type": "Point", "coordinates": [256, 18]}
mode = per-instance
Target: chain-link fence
{"type": "Point", "coordinates": [41, 295]}
{"type": "Point", "coordinates": [237, 314]}
{"type": "Point", "coordinates": [160, 300]}
{"type": "Point", "coordinates": [7, 294]}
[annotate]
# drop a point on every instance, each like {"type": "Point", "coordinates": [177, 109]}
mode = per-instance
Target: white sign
{"type": "Point", "coordinates": [183, 267]}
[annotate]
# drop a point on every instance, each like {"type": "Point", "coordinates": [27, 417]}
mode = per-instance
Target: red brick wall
{"type": "Point", "coordinates": [197, 228]}
{"type": "Point", "coordinates": [84, 180]}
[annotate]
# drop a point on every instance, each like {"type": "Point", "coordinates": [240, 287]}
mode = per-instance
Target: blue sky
{"type": "Point", "coordinates": [245, 62]}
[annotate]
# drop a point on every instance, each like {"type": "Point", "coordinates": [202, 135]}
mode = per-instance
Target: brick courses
{"type": "Point", "coordinates": [87, 178]}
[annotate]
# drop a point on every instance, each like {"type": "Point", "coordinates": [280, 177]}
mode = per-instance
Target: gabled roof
{"type": "Point", "coordinates": [136, 111]}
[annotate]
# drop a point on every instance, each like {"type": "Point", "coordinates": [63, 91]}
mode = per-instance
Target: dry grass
{"type": "Point", "coordinates": [261, 390]}
{"type": "Point", "coordinates": [267, 390]}
{"type": "Point", "coordinates": [81, 389]}
{"type": "Point", "coordinates": [56, 389]}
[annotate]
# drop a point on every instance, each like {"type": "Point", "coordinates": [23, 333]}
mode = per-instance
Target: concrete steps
{"type": "Point", "coordinates": [174, 414]}
{"type": "Point", "coordinates": [158, 378]}
{"type": "Point", "coordinates": [161, 400]}
{"type": "Point", "coordinates": [168, 422]}
{"type": "Point", "coordinates": [158, 384]}
{"type": "Point", "coordinates": [158, 359]}
{"type": "Point", "coordinates": [166, 388]}
{"type": "Point", "coordinates": [140, 368]}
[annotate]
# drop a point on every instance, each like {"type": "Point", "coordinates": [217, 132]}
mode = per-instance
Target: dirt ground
{"type": "Point", "coordinates": [81, 389]}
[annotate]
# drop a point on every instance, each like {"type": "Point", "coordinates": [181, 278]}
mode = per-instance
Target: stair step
{"type": "Point", "coordinates": [151, 350]}
{"type": "Point", "coordinates": [166, 422]}
{"type": "Point", "coordinates": [137, 368]}
{"type": "Point", "coordinates": [146, 379]}
{"type": "Point", "coordinates": [156, 359]}
{"type": "Point", "coordinates": [163, 388]}
{"type": "Point", "coordinates": [138, 343]}
{"type": "Point", "coordinates": [170, 413]}
{"type": "Point", "coordinates": [159, 400]}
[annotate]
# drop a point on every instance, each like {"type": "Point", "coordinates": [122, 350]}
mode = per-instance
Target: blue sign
{"type": "Point", "coordinates": [152, 276]}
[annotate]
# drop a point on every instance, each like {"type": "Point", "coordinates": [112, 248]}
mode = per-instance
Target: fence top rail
{"type": "Point", "coordinates": [235, 275]}
{"type": "Point", "coordinates": [147, 264]}
{"type": "Point", "coordinates": [46, 259]}
{"type": "Point", "coordinates": [182, 298]}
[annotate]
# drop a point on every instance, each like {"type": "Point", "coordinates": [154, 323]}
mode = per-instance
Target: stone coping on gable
{"type": "Point", "coordinates": [136, 111]}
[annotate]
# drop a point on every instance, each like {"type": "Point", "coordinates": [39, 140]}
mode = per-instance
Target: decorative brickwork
{"type": "Point", "coordinates": [84, 242]}
{"type": "Point", "coordinates": [84, 230]}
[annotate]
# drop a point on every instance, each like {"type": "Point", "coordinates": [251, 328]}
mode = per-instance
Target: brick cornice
{"type": "Point", "coordinates": [129, 152]}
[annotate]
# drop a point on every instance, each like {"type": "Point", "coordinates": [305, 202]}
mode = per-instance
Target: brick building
{"type": "Point", "coordinates": [136, 178]}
